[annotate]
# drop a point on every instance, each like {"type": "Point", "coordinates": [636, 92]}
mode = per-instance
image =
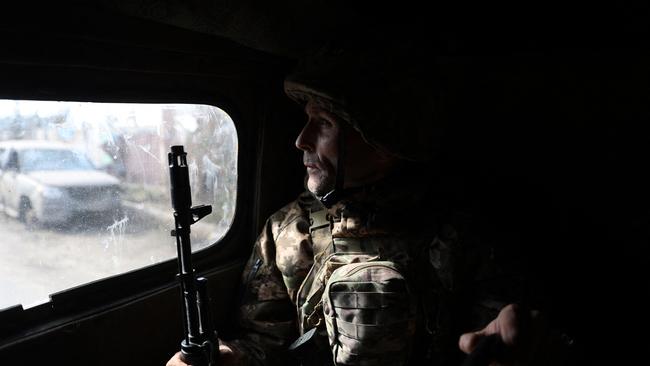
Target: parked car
{"type": "Point", "coordinates": [47, 182]}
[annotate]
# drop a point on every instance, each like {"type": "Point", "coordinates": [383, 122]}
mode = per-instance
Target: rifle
{"type": "Point", "coordinates": [200, 346]}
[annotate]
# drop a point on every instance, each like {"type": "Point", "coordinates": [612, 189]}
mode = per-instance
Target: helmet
{"type": "Point", "coordinates": [387, 94]}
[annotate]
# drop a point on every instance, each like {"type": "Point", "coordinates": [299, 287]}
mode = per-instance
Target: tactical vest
{"type": "Point", "coordinates": [357, 294]}
{"type": "Point", "coordinates": [370, 272]}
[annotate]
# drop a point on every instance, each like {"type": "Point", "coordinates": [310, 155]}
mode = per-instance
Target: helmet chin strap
{"type": "Point", "coordinates": [333, 196]}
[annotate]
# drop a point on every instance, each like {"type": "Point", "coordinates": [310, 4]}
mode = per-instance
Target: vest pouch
{"type": "Point", "coordinates": [309, 309]}
{"type": "Point", "coordinates": [369, 314]}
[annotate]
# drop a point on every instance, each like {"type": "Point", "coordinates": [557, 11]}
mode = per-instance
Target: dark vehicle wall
{"type": "Point", "coordinates": [547, 136]}
{"type": "Point", "coordinates": [82, 54]}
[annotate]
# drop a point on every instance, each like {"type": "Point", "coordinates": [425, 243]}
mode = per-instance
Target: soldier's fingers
{"type": "Point", "coordinates": [225, 349]}
{"type": "Point", "coordinates": [468, 341]}
{"type": "Point", "coordinates": [176, 360]}
{"type": "Point", "coordinates": [508, 324]}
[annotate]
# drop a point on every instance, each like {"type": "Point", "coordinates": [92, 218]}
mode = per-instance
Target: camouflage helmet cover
{"type": "Point", "coordinates": [393, 103]}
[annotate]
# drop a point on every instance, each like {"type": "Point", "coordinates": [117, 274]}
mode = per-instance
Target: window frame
{"type": "Point", "coordinates": [139, 62]}
{"type": "Point", "coordinates": [114, 291]}
{"type": "Point", "coordinates": [125, 287]}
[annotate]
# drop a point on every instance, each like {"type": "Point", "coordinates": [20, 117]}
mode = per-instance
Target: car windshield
{"type": "Point", "coordinates": [53, 159]}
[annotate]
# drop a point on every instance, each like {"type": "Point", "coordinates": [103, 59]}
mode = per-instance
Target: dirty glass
{"type": "Point", "coordinates": [84, 189]}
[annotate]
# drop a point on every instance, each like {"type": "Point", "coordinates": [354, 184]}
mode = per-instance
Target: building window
{"type": "Point", "coordinates": [84, 189]}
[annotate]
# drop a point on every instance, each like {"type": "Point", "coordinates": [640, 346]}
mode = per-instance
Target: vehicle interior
{"type": "Point", "coordinates": [546, 111]}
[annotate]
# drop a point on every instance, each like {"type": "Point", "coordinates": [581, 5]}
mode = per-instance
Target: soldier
{"type": "Point", "coordinates": [365, 267]}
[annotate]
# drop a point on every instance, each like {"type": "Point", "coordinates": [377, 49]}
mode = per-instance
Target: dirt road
{"type": "Point", "coordinates": [38, 262]}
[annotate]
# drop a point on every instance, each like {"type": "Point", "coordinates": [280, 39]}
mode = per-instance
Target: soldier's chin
{"type": "Point", "coordinates": [318, 187]}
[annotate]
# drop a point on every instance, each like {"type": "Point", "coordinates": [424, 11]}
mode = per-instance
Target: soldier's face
{"type": "Point", "coordinates": [319, 142]}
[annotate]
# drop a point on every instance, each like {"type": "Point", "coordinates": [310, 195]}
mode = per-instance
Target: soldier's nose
{"type": "Point", "coordinates": [303, 141]}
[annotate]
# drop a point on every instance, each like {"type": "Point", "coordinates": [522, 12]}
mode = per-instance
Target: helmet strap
{"type": "Point", "coordinates": [333, 196]}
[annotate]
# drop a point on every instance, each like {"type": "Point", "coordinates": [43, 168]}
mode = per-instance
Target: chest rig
{"type": "Point", "coordinates": [346, 235]}
{"type": "Point", "coordinates": [342, 235]}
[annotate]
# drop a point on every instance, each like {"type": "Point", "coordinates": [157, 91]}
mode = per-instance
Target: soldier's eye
{"type": "Point", "coordinates": [325, 121]}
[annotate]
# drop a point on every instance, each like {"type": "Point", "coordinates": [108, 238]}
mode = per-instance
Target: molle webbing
{"type": "Point", "coordinates": [319, 219]}
{"type": "Point", "coordinates": [321, 223]}
{"type": "Point", "coordinates": [320, 229]}
{"type": "Point", "coordinates": [367, 300]}
{"type": "Point", "coordinates": [369, 309]}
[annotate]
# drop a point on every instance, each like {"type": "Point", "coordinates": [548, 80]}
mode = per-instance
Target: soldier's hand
{"type": "Point", "coordinates": [520, 332]}
{"type": "Point", "coordinates": [226, 357]}
{"type": "Point", "coordinates": [176, 360]}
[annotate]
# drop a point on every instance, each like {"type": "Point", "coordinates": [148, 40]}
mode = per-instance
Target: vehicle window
{"type": "Point", "coordinates": [88, 197]}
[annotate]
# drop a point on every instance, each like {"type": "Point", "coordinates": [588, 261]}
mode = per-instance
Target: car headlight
{"type": "Point", "coordinates": [51, 192]}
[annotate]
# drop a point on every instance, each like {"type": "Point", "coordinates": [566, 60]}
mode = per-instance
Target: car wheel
{"type": "Point", "coordinates": [5, 215]}
{"type": "Point", "coordinates": [27, 214]}
{"type": "Point", "coordinates": [120, 213]}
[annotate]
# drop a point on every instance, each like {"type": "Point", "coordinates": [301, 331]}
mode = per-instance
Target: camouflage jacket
{"type": "Point", "coordinates": [399, 223]}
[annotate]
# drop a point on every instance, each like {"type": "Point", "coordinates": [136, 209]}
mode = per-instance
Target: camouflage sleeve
{"type": "Point", "coordinates": [267, 316]}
